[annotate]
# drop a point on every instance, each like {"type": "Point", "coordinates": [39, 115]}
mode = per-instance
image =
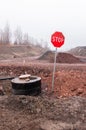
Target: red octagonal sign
{"type": "Point", "coordinates": [57, 39]}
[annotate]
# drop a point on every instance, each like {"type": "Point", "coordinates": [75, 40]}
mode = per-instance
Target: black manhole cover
{"type": "Point", "coordinates": [25, 86]}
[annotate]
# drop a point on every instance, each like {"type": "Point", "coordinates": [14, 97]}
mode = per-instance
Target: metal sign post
{"type": "Point", "coordinates": [54, 70]}
{"type": "Point", "coordinates": [57, 39]}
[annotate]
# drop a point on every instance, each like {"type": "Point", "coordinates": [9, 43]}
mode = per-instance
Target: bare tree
{"type": "Point", "coordinates": [1, 36]}
{"type": "Point", "coordinates": [18, 36]}
{"type": "Point", "coordinates": [44, 44]}
{"type": "Point", "coordinates": [6, 34]}
{"type": "Point", "coordinates": [26, 39]}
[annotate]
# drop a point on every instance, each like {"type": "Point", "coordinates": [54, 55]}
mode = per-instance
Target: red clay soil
{"type": "Point", "coordinates": [70, 80]}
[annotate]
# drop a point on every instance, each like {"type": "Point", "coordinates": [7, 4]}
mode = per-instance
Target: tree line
{"type": "Point", "coordinates": [18, 38]}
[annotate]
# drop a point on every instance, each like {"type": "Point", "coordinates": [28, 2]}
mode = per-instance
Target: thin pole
{"type": "Point", "coordinates": [54, 70]}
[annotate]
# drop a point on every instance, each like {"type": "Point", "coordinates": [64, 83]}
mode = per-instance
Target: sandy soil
{"type": "Point", "coordinates": [62, 109]}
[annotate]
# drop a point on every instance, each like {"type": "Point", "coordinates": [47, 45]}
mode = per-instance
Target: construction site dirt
{"type": "Point", "coordinates": [64, 108]}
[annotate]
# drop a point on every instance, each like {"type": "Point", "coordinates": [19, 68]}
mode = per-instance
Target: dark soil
{"type": "Point", "coordinates": [42, 113]}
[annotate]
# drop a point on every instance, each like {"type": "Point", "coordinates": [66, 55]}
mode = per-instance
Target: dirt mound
{"type": "Point", "coordinates": [67, 58]}
{"type": "Point", "coordinates": [78, 51]}
{"type": "Point", "coordinates": [61, 57]}
{"type": "Point", "coordinates": [48, 55]}
{"type": "Point", "coordinates": [16, 51]}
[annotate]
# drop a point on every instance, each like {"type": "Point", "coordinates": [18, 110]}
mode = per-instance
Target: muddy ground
{"type": "Point", "coordinates": [64, 109]}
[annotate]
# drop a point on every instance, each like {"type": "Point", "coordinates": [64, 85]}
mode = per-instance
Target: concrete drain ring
{"type": "Point", "coordinates": [26, 87]}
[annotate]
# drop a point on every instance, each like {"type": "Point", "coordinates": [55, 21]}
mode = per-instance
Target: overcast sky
{"type": "Point", "coordinates": [41, 18]}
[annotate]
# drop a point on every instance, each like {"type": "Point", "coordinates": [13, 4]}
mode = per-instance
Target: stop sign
{"type": "Point", "coordinates": [57, 39]}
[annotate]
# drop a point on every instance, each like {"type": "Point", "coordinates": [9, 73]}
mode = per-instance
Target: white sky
{"type": "Point", "coordinates": [41, 18]}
